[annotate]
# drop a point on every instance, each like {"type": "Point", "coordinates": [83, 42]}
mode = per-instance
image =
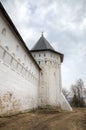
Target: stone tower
{"type": "Point", "coordinates": [50, 76]}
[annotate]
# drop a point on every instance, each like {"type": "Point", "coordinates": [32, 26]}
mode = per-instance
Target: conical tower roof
{"type": "Point", "coordinates": [42, 44]}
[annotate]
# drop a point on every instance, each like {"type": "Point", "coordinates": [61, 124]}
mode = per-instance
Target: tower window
{"type": "Point", "coordinates": [39, 62]}
{"type": "Point", "coordinates": [45, 62]}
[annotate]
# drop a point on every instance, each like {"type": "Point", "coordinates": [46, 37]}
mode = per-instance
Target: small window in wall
{"type": "Point", "coordinates": [3, 31]}
{"type": "Point", "coordinates": [44, 54]}
{"type": "Point", "coordinates": [39, 55]}
{"type": "Point", "coordinates": [17, 47]}
{"type": "Point", "coordinates": [45, 62]}
{"type": "Point", "coordinates": [39, 62]}
{"type": "Point", "coordinates": [34, 55]}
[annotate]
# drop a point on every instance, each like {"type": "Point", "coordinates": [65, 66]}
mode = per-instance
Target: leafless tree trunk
{"type": "Point", "coordinates": [78, 92]}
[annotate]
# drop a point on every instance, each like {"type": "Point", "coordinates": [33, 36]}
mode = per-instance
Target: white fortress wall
{"type": "Point", "coordinates": [19, 75]}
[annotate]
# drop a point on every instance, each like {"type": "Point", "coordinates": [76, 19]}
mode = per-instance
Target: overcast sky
{"type": "Point", "coordinates": [64, 25]}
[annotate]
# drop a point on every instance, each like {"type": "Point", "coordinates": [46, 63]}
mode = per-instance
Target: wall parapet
{"type": "Point", "coordinates": [14, 64]}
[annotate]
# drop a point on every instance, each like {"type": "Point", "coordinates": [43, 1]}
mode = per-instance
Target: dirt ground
{"type": "Point", "coordinates": [46, 120]}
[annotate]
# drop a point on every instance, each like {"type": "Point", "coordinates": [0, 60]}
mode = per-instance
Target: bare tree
{"type": "Point", "coordinates": [78, 91]}
{"type": "Point", "coordinates": [65, 92]}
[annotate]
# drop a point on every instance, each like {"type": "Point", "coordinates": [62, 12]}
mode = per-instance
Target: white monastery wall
{"type": "Point", "coordinates": [19, 75]}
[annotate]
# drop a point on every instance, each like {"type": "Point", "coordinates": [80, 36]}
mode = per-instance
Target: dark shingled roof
{"type": "Point", "coordinates": [43, 45]}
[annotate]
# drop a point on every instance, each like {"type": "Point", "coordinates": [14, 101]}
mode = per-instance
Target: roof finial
{"type": "Point", "coordinates": [42, 34]}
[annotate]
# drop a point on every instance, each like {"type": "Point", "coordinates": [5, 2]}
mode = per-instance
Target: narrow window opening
{"type": "Point", "coordinates": [17, 47]}
{"type": "Point", "coordinates": [39, 62]}
{"type": "Point", "coordinates": [45, 62]}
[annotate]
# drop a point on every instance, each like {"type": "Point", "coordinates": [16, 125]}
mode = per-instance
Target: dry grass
{"type": "Point", "coordinates": [46, 119]}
